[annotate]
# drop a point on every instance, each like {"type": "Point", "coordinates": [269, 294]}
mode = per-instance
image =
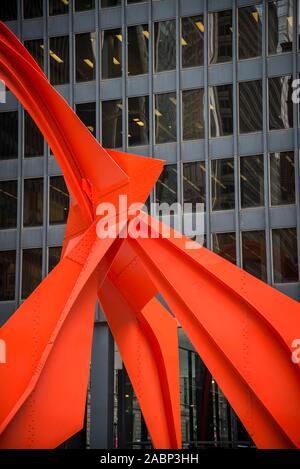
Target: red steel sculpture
{"type": "Point", "coordinates": [242, 328]}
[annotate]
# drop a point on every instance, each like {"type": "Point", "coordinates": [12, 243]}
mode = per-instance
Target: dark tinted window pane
{"type": "Point", "coordinates": [192, 114]}
{"type": "Point", "coordinates": [165, 118]}
{"type": "Point", "coordinates": [282, 178]}
{"type": "Point", "coordinates": [58, 7]}
{"type": "Point", "coordinates": [7, 275]}
{"type": "Point", "coordinates": [111, 53]}
{"type": "Point", "coordinates": [8, 10]}
{"type": "Point", "coordinates": [224, 245]}
{"type": "Point", "coordinates": [254, 253]}
{"type": "Point", "coordinates": [250, 106]}
{"type": "Point", "coordinates": [166, 186]}
{"type": "Point", "coordinates": [59, 60]}
{"type": "Point", "coordinates": [33, 8]}
{"type": "Point", "coordinates": [280, 26]}
{"type": "Point", "coordinates": [220, 36]}
{"type": "Point", "coordinates": [164, 45]}
{"type": "Point", "coordinates": [138, 118]}
{"type": "Point", "coordinates": [280, 103]}
{"type": "Point", "coordinates": [250, 31]}
{"type": "Point", "coordinates": [33, 202]}
{"type": "Point", "coordinates": [285, 258]}
{"type": "Point", "coordinates": [8, 204]}
{"type": "Point", "coordinates": [85, 57]}
{"type": "Point", "coordinates": [31, 270]}
{"type": "Point", "coordinates": [8, 135]}
{"type": "Point", "coordinates": [33, 139]}
{"type": "Point", "coordinates": [194, 183]}
{"type": "Point", "coordinates": [87, 113]}
{"type": "Point", "coordinates": [110, 3]}
{"type": "Point", "coordinates": [138, 43]}
{"type": "Point", "coordinates": [112, 123]}
{"type": "Point", "coordinates": [252, 181]}
{"type": "Point", "coordinates": [220, 110]}
{"type": "Point", "coordinates": [81, 5]}
{"type": "Point", "coordinates": [222, 184]}
{"type": "Point", "coordinates": [58, 200]}
{"type": "Point", "coordinates": [36, 48]}
{"type": "Point", "coordinates": [192, 41]}
{"type": "Point", "coordinates": [54, 254]}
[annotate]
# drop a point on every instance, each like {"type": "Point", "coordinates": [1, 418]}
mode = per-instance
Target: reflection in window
{"type": "Point", "coordinates": [33, 202]}
{"type": "Point", "coordinates": [36, 48]}
{"type": "Point", "coordinates": [137, 52]}
{"type": "Point", "coordinates": [81, 5]}
{"type": "Point", "coordinates": [8, 204]}
{"type": "Point", "coordinates": [220, 36]}
{"type": "Point", "coordinates": [250, 106]}
{"type": "Point", "coordinates": [164, 45]}
{"type": "Point", "coordinates": [165, 118]}
{"type": "Point", "coordinates": [111, 53]}
{"type": "Point", "coordinates": [282, 178]}
{"type": "Point", "coordinates": [110, 3]}
{"type": "Point", "coordinates": [33, 139]}
{"type": "Point", "coordinates": [224, 244]}
{"type": "Point", "coordinates": [112, 123]}
{"type": "Point", "coordinates": [254, 253]}
{"type": "Point", "coordinates": [250, 31]}
{"type": "Point", "coordinates": [87, 114]}
{"type": "Point", "coordinates": [58, 7]}
{"type": "Point", "coordinates": [252, 181]}
{"type": "Point", "coordinates": [54, 254]}
{"type": "Point", "coordinates": [31, 270]}
{"type": "Point", "coordinates": [8, 135]}
{"type": "Point", "coordinates": [58, 200]}
{"type": "Point", "coordinates": [280, 103]}
{"type": "Point", "coordinates": [192, 41]}
{"type": "Point", "coordinates": [33, 8]}
{"type": "Point", "coordinates": [194, 183]}
{"type": "Point", "coordinates": [220, 110]}
{"type": "Point", "coordinates": [8, 10]}
{"type": "Point", "coordinates": [7, 275]}
{"type": "Point", "coordinates": [59, 60]}
{"type": "Point", "coordinates": [285, 258]}
{"type": "Point", "coordinates": [192, 114]}
{"type": "Point", "coordinates": [138, 121]}
{"type": "Point", "coordinates": [166, 186]}
{"type": "Point", "coordinates": [280, 26]}
{"type": "Point", "coordinates": [85, 57]}
{"type": "Point", "coordinates": [222, 184]}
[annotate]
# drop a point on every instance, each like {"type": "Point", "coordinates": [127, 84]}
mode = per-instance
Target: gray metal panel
{"type": "Point", "coordinates": [220, 74]}
{"type": "Point", "coordinates": [250, 69]}
{"type": "Point", "coordinates": [85, 92]}
{"type": "Point", "coordinates": [191, 7]}
{"type": "Point", "coordinates": [164, 10]}
{"type": "Point", "coordinates": [251, 143]}
{"type": "Point", "coordinates": [164, 82]}
{"type": "Point", "coordinates": [280, 65]}
{"type": "Point", "coordinates": [32, 238]}
{"type": "Point", "coordinates": [84, 21]}
{"type": "Point", "coordinates": [58, 25]}
{"type": "Point", "coordinates": [221, 147]}
{"type": "Point", "coordinates": [281, 217]}
{"type": "Point", "coordinates": [8, 239]}
{"type": "Point", "coordinates": [55, 235]}
{"type": "Point", "coordinates": [7, 309]}
{"type": "Point", "coordinates": [33, 167]}
{"type": "Point", "coordinates": [111, 17]}
{"type": "Point", "coordinates": [219, 5]}
{"type": "Point", "coordinates": [8, 169]}
{"type": "Point", "coordinates": [192, 78]}
{"type": "Point", "coordinates": [252, 219]}
{"type": "Point", "coordinates": [222, 221]}
{"type": "Point", "coordinates": [193, 150]}
{"type": "Point", "coordinates": [289, 289]}
{"type": "Point", "coordinates": [33, 28]}
{"type": "Point", "coordinates": [138, 86]}
{"type": "Point", "coordinates": [166, 152]}
{"type": "Point", "coordinates": [280, 139]}
{"type": "Point", "coordinates": [137, 14]}
{"type": "Point", "coordinates": [111, 89]}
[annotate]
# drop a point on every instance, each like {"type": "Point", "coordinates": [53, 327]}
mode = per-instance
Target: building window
{"type": "Point", "coordinates": [33, 8]}
{"type": "Point", "coordinates": [280, 26]}
{"type": "Point", "coordinates": [224, 244]}
{"type": "Point", "coordinates": [111, 53]}
{"type": "Point", "coordinates": [250, 106]}
{"type": "Point", "coordinates": [7, 275]}
{"type": "Point", "coordinates": [222, 184]}
{"type": "Point", "coordinates": [252, 181]}
{"type": "Point", "coordinates": [285, 258]}
{"type": "Point", "coordinates": [87, 114]}
{"type": "Point", "coordinates": [194, 184]}
{"type": "Point", "coordinates": [33, 139]}
{"type": "Point", "coordinates": [164, 46]}
{"type": "Point", "coordinates": [282, 178]}
{"type": "Point", "coordinates": [58, 7]}
{"type": "Point", "coordinates": [54, 254]}
{"type": "Point", "coordinates": [165, 118]}
{"type": "Point", "coordinates": [36, 48]}
{"type": "Point", "coordinates": [220, 110]}
{"type": "Point", "coordinates": [110, 3]}
{"type": "Point", "coordinates": [81, 5]}
{"type": "Point", "coordinates": [85, 57]}
{"type": "Point", "coordinates": [138, 121]}
{"type": "Point", "coordinates": [8, 204]}
{"type": "Point", "coordinates": [33, 202]}
{"type": "Point", "coordinates": [192, 41]}
{"type": "Point", "coordinates": [112, 123]}
{"type": "Point", "coordinates": [280, 103]}
{"type": "Point", "coordinates": [58, 200]}
{"type": "Point", "coordinates": [254, 253]}
{"type": "Point", "coordinates": [59, 60]}
{"type": "Point", "coordinates": [8, 10]}
{"type": "Point", "coordinates": [192, 114]}
{"type": "Point", "coordinates": [220, 37]}
{"type": "Point", "coordinates": [250, 31]}
{"type": "Point", "coordinates": [137, 52]}
{"type": "Point", "coordinates": [8, 135]}
{"type": "Point", "coordinates": [31, 270]}
{"type": "Point", "coordinates": [166, 186]}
